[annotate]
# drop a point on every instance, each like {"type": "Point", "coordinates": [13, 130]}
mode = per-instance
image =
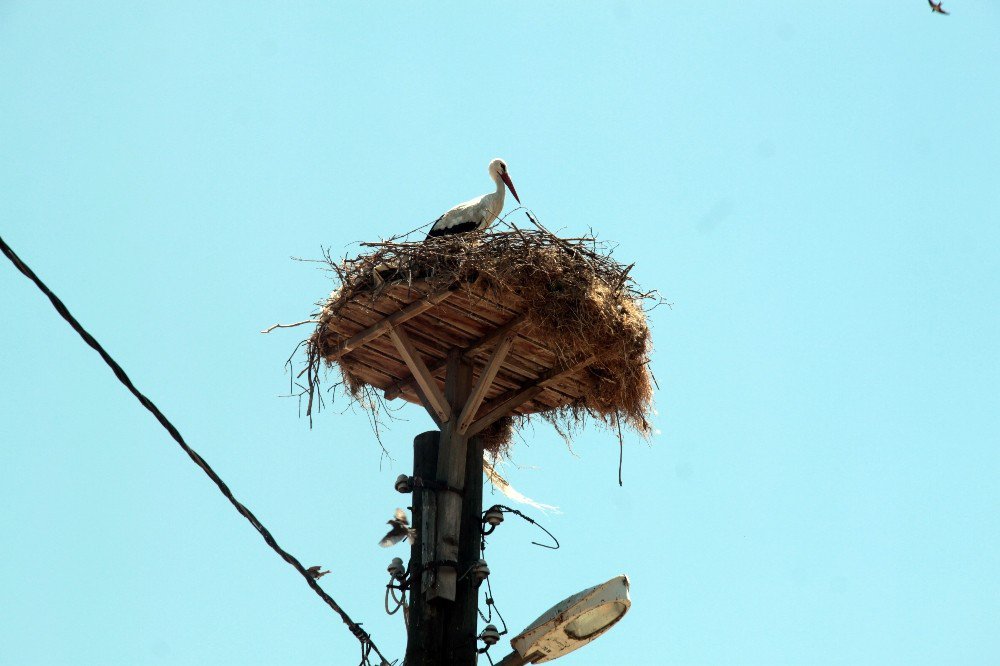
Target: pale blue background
{"type": "Point", "coordinates": [814, 186]}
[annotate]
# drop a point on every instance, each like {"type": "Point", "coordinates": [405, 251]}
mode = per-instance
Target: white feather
{"type": "Point", "coordinates": [504, 486]}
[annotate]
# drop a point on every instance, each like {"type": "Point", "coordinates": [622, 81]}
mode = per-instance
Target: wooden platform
{"type": "Point", "coordinates": [399, 340]}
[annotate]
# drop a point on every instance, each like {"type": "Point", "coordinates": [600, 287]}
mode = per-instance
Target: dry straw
{"type": "Point", "coordinates": [572, 293]}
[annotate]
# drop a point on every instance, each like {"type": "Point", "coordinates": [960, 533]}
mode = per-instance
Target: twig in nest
{"type": "Point", "coordinates": [298, 323]}
{"type": "Point", "coordinates": [621, 282]}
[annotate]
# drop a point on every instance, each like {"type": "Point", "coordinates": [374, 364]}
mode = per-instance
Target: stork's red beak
{"type": "Point", "coordinates": [510, 186]}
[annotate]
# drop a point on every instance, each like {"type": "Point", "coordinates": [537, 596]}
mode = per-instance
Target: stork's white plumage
{"type": "Point", "coordinates": [479, 213]}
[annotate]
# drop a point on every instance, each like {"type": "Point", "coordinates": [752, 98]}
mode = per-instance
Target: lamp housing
{"type": "Point", "coordinates": [574, 621]}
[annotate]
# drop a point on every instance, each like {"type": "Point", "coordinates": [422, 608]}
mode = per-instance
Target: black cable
{"type": "Point", "coordinates": [493, 604]}
{"type": "Point", "coordinates": [507, 509]}
{"type": "Point", "coordinates": [61, 308]}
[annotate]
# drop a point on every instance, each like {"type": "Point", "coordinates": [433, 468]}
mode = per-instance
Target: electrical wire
{"type": "Point", "coordinates": [366, 643]}
{"type": "Point", "coordinates": [507, 509]}
{"type": "Point", "coordinates": [400, 601]}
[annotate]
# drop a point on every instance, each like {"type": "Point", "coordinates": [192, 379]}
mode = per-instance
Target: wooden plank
{"type": "Point", "coordinates": [468, 305]}
{"type": "Point", "coordinates": [359, 366]}
{"type": "Point", "coordinates": [506, 403]}
{"type": "Point", "coordinates": [380, 354]}
{"type": "Point", "coordinates": [514, 372]}
{"type": "Point", "coordinates": [468, 318]}
{"type": "Point", "coordinates": [439, 406]}
{"type": "Point", "coordinates": [384, 354]}
{"type": "Point", "coordinates": [485, 381]}
{"type": "Point", "coordinates": [460, 329]}
{"type": "Point", "coordinates": [481, 299]}
{"type": "Point", "coordinates": [461, 617]}
{"type": "Point", "coordinates": [365, 317]}
{"type": "Point", "coordinates": [383, 351]}
{"type": "Point", "coordinates": [451, 471]}
{"type": "Point", "coordinates": [426, 322]}
{"type": "Point", "coordinates": [428, 522]}
{"type": "Point", "coordinates": [478, 310]}
{"type": "Point", "coordinates": [428, 351]}
{"type": "Point", "coordinates": [468, 353]}
{"type": "Point", "coordinates": [514, 325]}
{"type": "Point", "coordinates": [525, 361]}
{"type": "Point", "coordinates": [395, 319]}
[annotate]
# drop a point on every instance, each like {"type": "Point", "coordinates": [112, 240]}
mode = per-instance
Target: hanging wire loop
{"type": "Point", "coordinates": [507, 509]}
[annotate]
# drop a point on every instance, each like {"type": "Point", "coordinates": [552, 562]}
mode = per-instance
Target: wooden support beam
{"type": "Point", "coordinates": [439, 407]}
{"type": "Point", "coordinates": [485, 381]}
{"type": "Point", "coordinates": [468, 353]}
{"type": "Point", "coordinates": [395, 319]}
{"type": "Point", "coordinates": [451, 471]}
{"type": "Point", "coordinates": [510, 400]}
{"type": "Point", "coordinates": [460, 618]}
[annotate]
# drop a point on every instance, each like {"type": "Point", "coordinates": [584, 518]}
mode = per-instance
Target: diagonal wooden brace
{"type": "Point", "coordinates": [485, 381]}
{"type": "Point", "coordinates": [508, 402]}
{"type": "Point", "coordinates": [407, 384]}
{"type": "Point", "coordinates": [438, 405]}
{"type": "Point", "coordinates": [395, 319]}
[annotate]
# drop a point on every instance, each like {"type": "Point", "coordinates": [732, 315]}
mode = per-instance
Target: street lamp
{"type": "Point", "coordinates": [571, 624]}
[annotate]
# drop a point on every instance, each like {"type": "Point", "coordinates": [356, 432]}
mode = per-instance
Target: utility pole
{"type": "Point", "coordinates": [423, 630]}
{"type": "Point", "coordinates": [447, 511]}
{"type": "Point", "coordinates": [448, 464]}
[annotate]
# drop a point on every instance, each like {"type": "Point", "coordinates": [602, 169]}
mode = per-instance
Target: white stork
{"type": "Point", "coordinates": [479, 213]}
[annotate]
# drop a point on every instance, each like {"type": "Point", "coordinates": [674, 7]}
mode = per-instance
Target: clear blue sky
{"type": "Point", "coordinates": [813, 185]}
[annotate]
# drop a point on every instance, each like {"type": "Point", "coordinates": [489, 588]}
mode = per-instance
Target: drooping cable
{"type": "Point", "coordinates": [506, 509]}
{"type": "Point", "coordinates": [359, 633]}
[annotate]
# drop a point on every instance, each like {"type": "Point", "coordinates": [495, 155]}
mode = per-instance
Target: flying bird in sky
{"type": "Point", "coordinates": [937, 8]}
{"type": "Point", "coordinates": [400, 530]}
{"type": "Point", "coordinates": [479, 213]}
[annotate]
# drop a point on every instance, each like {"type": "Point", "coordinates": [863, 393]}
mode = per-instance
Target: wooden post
{"type": "Point", "coordinates": [461, 617]}
{"type": "Point", "coordinates": [451, 471]}
{"type": "Point", "coordinates": [442, 629]}
{"type": "Point", "coordinates": [423, 645]}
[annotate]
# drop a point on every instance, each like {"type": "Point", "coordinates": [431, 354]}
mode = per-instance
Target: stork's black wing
{"type": "Point", "coordinates": [460, 228]}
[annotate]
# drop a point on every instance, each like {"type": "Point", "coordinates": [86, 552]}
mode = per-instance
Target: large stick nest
{"type": "Point", "coordinates": [571, 292]}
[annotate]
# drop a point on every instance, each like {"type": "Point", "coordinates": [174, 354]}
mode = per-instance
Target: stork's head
{"type": "Point", "coordinates": [498, 172]}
